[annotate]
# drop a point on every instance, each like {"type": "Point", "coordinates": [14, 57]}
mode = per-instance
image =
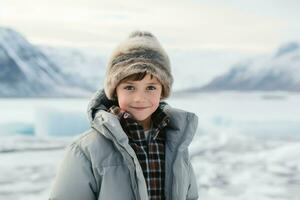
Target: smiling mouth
{"type": "Point", "coordinates": [139, 108]}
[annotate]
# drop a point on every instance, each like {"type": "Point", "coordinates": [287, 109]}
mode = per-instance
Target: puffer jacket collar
{"type": "Point", "coordinates": [98, 115]}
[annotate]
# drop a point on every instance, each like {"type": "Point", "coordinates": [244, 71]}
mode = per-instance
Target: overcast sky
{"type": "Point", "coordinates": [249, 25]}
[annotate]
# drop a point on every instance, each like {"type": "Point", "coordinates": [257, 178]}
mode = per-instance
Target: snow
{"type": "Point", "coordinates": [29, 72]}
{"type": "Point", "coordinates": [268, 72]}
{"type": "Point", "coordinates": [27, 57]}
{"type": "Point", "coordinates": [233, 166]}
{"type": "Point", "coordinates": [27, 175]}
{"type": "Point", "coordinates": [85, 64]}
{"type": "Point", "coordinates": [236, 153]}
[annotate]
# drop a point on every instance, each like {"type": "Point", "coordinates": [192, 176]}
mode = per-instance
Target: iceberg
{"type": "Point", "coordinates": [55, 122]}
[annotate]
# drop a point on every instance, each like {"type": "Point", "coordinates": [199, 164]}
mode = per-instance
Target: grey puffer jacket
{"type": "Point", "coordinates": [101, 165]}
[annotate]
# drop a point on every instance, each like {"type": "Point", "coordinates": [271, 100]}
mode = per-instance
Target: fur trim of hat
{"type": "Point", "coordinates": [140, 52]}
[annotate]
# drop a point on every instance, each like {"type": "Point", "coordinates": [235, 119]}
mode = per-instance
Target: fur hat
{"type": "Point", "coordinates": [140, 52]}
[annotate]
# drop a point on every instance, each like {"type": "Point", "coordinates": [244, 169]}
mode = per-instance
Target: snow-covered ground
{"type": "Point", "coordinates": [247, 145]}
{"type": "Point", "coordinates": [27, 174]}
{"type": "Point", "coordinates": [234, 166]}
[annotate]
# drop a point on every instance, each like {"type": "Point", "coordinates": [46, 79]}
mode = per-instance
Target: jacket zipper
{"type": "Point", "coordinates": [131, 160]}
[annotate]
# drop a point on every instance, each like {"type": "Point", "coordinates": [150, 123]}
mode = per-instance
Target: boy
{"type": "Point", "coordinates": [137, 147]}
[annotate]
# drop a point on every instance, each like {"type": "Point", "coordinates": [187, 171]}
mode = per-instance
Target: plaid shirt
{"type": "Point", "coordinates": [150, 152]}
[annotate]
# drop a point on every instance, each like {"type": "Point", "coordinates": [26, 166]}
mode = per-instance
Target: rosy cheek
{"type": "Point", "coordinates": [121, 103]}
{"type": "Point", "coordinates": [156, 101]}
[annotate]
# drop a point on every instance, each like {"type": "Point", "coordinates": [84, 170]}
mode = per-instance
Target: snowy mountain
{"type": "Point", "coordinates": [85, 64]}
{"type": "Point", "coordinates": [26, 71]}
{"type": "Point", "coordinates": [277, 72]}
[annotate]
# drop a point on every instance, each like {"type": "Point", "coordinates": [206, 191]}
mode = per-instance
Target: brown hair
{"type": "Point", "coordinates": [136, 77]}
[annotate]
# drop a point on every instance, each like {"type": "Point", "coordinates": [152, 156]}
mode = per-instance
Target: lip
{"type": "Point", "coordinates": [139, 108]}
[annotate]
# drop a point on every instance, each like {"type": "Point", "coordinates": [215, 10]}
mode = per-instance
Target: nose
{"type": "Point", "coordinates": [139, 97]}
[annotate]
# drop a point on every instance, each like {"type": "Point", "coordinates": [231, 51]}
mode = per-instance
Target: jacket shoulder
{"type": "Point", "coordinates": [97, 148]}
{"type": "Point", "coordinates": [181, 116]}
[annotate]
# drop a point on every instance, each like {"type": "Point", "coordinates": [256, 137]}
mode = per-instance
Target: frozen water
{"type": "Point", "coordinates": [247, 146]}
{"type": "Point", "coordinates": [43, 117]}
{"type": "Point", "coordinates": [54, 122]}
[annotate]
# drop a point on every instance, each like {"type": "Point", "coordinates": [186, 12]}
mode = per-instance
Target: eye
{"type": "Point", "coordinates": [151, 87]}
{"type": "Point", "coordinates": [129, 87]}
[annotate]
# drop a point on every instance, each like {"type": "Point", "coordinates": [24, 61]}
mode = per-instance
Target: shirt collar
{"type": "Point", "coordinates": [134, 130]}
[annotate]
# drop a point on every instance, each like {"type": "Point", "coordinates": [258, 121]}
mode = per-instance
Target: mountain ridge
{"type": "Point", "coordinates": [26, 71]}
{"type": "Point", "coordinates": [277, 72]}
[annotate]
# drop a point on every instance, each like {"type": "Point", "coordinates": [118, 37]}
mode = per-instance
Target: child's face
{"type": "Point", "coordinates": [140, 98]}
